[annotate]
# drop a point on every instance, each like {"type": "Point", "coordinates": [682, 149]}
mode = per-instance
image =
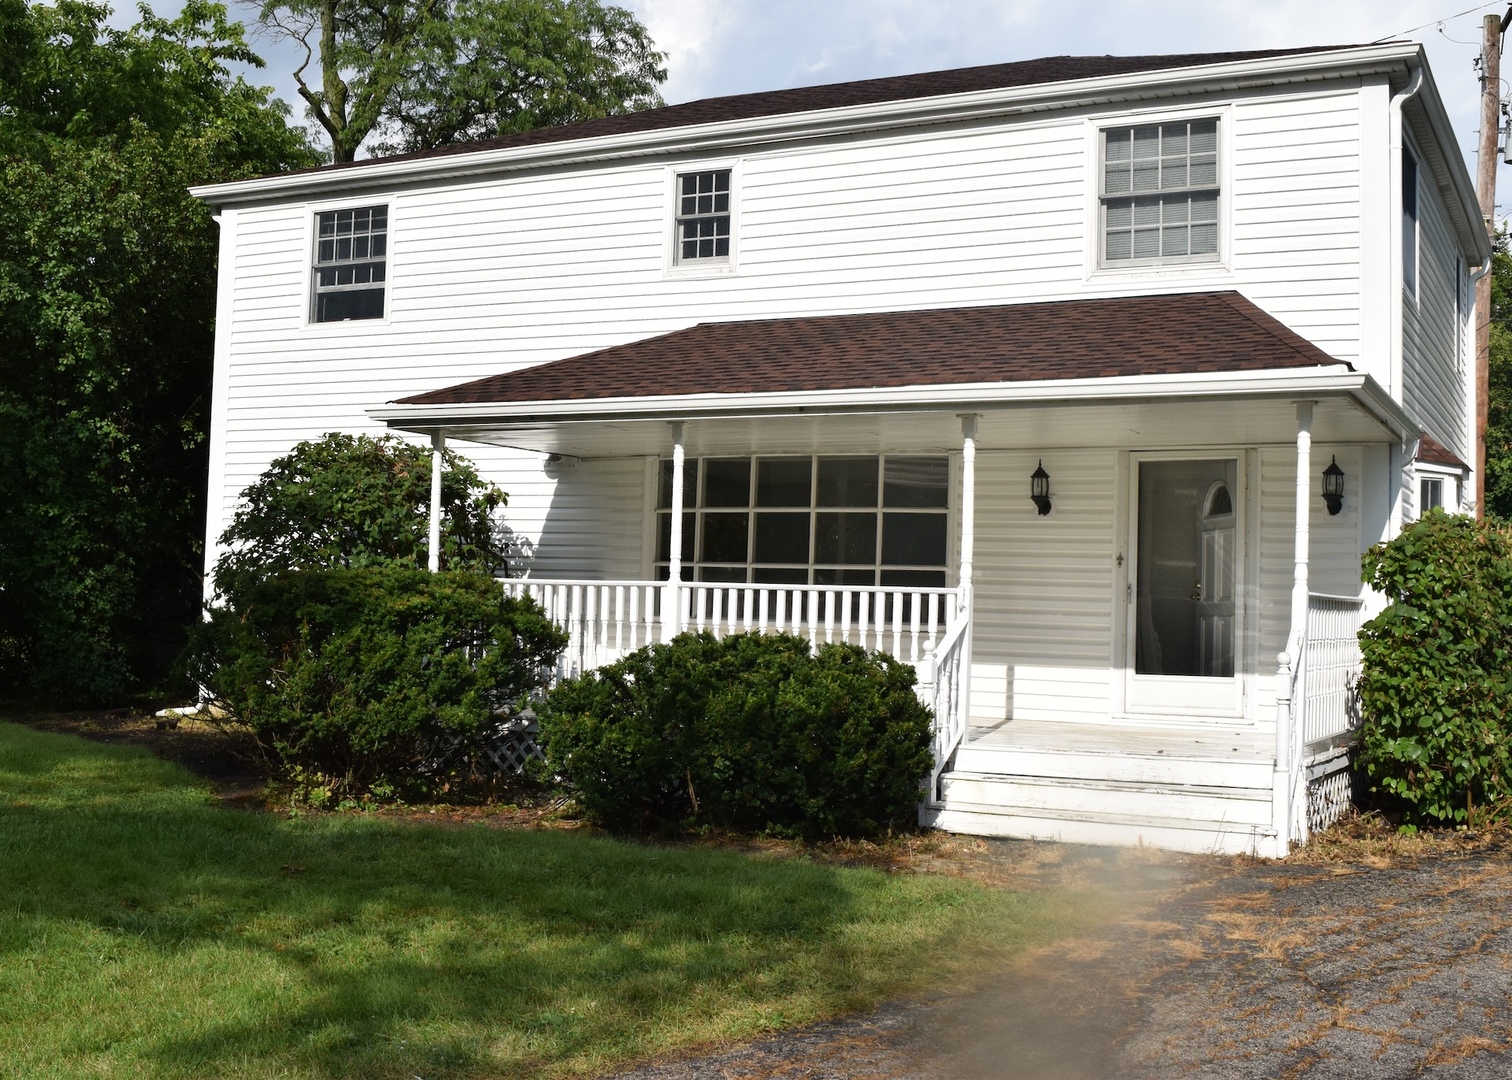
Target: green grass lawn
{"type": "Point", "coordinates": [145, 930]}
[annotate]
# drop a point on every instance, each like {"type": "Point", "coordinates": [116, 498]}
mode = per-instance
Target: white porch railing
{"type": "Point", "coordinates": [605, 620]}
{"type": "Point", "coordinates": [1316, 703]}
{"type": "Point", "coordinates": [1327, 705]}
{"type": "Point", "coordinates": [943, 687]}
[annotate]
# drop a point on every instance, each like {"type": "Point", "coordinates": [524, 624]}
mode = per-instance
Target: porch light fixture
{"type": "Point", "coordinates": [1333, 487]}
{"type": "Point", "coordinates": [1039, 489]}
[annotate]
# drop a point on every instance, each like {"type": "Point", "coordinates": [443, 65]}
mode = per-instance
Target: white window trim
{"type": "Point", "coordinates": [1454, 486]}
{"type": "Point", "coordinates": [671, 268]}
{"type": "Point", "coordinates": [311, 211]}
{"type": "Point", "coordinates": [1218, 266]}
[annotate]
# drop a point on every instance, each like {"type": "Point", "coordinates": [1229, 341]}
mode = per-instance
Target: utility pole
{"type": "Point", "coordinates": [1493, 27]}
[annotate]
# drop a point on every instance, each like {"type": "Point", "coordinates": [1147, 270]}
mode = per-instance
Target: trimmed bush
{"type": "Point", "coordinates": [350, 676]}
{"type": "Point", "coordinates": [752, 732]}
{"type": "Point", "coordinates": [1434, 687]}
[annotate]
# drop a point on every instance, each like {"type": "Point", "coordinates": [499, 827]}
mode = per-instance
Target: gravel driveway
{"type": "Point", "coordinates": [1219, 968]}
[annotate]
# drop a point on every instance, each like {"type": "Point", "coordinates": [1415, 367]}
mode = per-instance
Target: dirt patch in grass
{"type": "Point", "coordinates": [226, 759]}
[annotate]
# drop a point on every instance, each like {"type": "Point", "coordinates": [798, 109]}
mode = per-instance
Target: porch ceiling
{"type": "Point", "coordinates": [1192, 423]}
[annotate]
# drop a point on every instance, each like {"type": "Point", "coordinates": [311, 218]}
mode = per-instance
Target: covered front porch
{"type": "Point", "coordinates": [1075, 695]}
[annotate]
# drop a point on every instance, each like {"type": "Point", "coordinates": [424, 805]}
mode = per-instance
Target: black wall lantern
{"type": "Point", "coordinates": [1039, 489]}
{"type": "Point", "coordinates": [1333, 487]}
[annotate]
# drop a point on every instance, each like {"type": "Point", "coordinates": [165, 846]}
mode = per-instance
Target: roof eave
{"type": "Point", "coordinates": [1333, 380]}
{"type": "Point", "coordinates": [1289, 68]}
{"type": "Point", "coordinates": [1450, 169]}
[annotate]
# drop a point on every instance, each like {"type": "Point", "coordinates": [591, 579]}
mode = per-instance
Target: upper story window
{"type": "Point", "coordinates": [703, 217]}
{"type": "Point", "coordinates": [351, 250]}
{"type": "Point", "coordinates": [1160, 193]}
{"type": "Point", "coordinates": [1409, 221]}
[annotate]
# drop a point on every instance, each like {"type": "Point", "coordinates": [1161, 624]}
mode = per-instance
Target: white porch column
{"type": "Point", "coordinates": [1282, 815]}
{"type": "Point", "coordinates": [968, 554]}
{"type": "Point", "coordinates": [672, 604]}
{"type": "Point", "coordinates": [438, 446]}
{"type": "Point", "coordinates": [968, 497]}
{"type": "Point", "coordinates": [1304, 514]}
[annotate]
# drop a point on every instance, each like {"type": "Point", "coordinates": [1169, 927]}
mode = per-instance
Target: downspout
{"type": "Point", "coordinates": [1398, 269]}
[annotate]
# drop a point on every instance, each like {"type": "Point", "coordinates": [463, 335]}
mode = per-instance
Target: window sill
{"type": "Point", "coordinates": [1213, 268]}
{"type": "Point", "coordinates": [712, 269]}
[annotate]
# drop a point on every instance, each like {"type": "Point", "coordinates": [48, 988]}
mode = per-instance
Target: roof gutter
{"type": "Point", "coordinates": [1284, 382]}
{"type": "Point", "coordinates": [782, 127]}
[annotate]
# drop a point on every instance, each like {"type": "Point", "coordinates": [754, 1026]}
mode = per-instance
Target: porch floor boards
{"type": "Point", "coordinates": [1216, 743]}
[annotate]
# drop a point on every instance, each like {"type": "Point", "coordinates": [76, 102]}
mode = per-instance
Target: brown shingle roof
{"type": "Point", "coordinates": [1075, 339]}
{"type": "Point", "coordinates": [1436, 453]}
{"type": "Point", "coordinates": [1049, 69]}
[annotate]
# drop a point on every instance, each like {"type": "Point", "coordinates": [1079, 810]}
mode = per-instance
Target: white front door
{"type": "Point", "coordinates": [1184, 586]}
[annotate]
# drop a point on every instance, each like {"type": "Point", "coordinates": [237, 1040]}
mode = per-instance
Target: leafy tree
{"type": "Point", "coordinates": [1499, 418]}
{"type": "Point", "coordinates": [355, 502]}
{"type": "Point", "coordinates": [428, 73]}
{"type": "Point", "coordinates": [107, 299]}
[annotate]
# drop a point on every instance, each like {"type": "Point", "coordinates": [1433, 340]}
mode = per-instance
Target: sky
{"type": "Point", "coordinates": [717, 47]}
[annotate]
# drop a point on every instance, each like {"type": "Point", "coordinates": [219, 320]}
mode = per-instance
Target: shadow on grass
{"type": "Point", "coordinates": [148, 928]}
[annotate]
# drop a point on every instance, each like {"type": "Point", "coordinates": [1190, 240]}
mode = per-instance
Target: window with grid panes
{"type": "Point", "coordinates": [703, 216]}
{"type": "Point", "coordinates": [1160, 193]}
{"type": "Point", "coordinates": [351, 253]}
{"type": "Point", "coordinates": [831, 520]}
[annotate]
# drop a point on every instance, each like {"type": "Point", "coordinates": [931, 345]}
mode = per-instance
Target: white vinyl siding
{"type": "Point", "coordinates": [1043, 639]}
{"type": "Point", "coordinates": [491, 275]}
{"type": "Point", "coordinates": [1433, 371]}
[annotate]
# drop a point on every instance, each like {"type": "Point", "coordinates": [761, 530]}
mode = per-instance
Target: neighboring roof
{"type": "Point", "coordinates": [1075, 339]}
{"type": "Point", "coordinates": [1050, 69]}
{"type": "Point", "coordinates": [1433, 452]}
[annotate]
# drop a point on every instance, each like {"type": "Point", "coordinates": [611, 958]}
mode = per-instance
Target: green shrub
{"type": "Point", "coordinates": [1433, 689]}
{"type": "Point", "coordinates": [355, 501]}
{"type": "Point", "coordinates": [350, 676]}
{"type": "Point", "coordinates": [752, 732]}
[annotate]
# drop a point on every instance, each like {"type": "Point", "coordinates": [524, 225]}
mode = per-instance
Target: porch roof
{"type": "Point", "coordinates": [1180, 334]}
{"type": "Point", "coordinates": [1118, 371]}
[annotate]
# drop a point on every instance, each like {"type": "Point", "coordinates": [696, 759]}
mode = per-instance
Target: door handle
{"type": "Point", "coordinates": [1197, 594]}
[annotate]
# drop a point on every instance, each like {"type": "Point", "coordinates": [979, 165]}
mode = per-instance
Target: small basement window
{"type": "Point", "coordinates": [1160, 193]}
{"type": "Point", "coordinates": [351, 255]}
{"type": "Point", "coordinates": [703, 217]}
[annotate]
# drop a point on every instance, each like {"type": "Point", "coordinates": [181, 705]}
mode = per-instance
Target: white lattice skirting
{"type": "Point", "coordinates": [1330, 789]}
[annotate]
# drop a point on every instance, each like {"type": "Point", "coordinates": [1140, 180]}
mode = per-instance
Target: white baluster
{"type": "Point", "coordinates": [897, 624]}
{"type": "Point", "coordinates": [913, 619]}
{"type": "Point", "coordinates": [845, 616]}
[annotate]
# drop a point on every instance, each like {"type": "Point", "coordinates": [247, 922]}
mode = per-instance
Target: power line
{"type": "Point", "coordinates": [1438, 22]}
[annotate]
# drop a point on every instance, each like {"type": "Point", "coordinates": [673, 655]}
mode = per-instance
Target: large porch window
{"type": "Point", "coordinates": [824, 520]}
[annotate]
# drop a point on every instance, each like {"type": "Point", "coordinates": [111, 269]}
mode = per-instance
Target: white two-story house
{"type": "Point", "coordinates": [1082, 383]}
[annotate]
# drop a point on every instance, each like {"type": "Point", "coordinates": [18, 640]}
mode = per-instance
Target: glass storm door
{"type": "Point", "coordinates": [1185, 618]}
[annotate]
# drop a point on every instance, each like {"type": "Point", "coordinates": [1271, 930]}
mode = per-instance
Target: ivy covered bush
{"type": "Point", "coordinates": [751, 732]}
{"type": "Point", "coordinates": [351, 678]}
{"type": "Point", "coordinates": [1438, 668]}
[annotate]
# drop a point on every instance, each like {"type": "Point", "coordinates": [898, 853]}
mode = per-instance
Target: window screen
{"type": "Point", "coordinates": [703, 216]}
{"type": "Point", "coordinates": [351, 252]}
{"type": "Point", "coordinates": [1160, 192]}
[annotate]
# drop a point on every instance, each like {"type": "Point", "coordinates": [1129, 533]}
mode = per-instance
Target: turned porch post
{"type": "Point", "coordinates": [438, 448]}
{"type": "Point", "coordinates": [672, 605]}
